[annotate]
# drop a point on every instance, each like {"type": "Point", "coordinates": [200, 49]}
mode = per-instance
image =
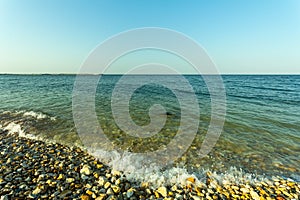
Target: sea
{"type": "Point", "coordinates": [260, 137]}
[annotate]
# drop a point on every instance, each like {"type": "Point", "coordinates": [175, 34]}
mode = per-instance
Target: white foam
{"type": "Point", "coordinates": [35, 115]}
{"type": "Point", "coordinates": [236, 176]}
{"type": "Point", "coordinates": [131, 165]}
{"type": "Point", "coordinates": [13, 128]}
{"type": "Point", "coordinates": [134, 169]}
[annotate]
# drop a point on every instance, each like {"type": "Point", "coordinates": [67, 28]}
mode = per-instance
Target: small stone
{"type": "Point", "coordinates": [174, 188]}
{"type": "Point", "coordinates": [144, 184]}
{"type": "Point", "coordinates": [178, 196]}
{"type": "Point", "coordinates": [244, 190]}
{"type": "Point", "coordinates": [107, 185]}
{"type": "Point", "coordinates": [36, 191]}
{"type": "Point", "coordinates": [235, 187]}
{"type": "Point", "coordinates": [115, 173]}
{"type": "Point", "coordinates": [162, 191]}
{"type": "Point", "coordinates": [191, 179]}
{"type": "Point", "coordinates": [210, 191]}
{"type": "Point", "coordinates": [64, 193]}
{"type": "Point", "coordinates": [85, 197]}
{"type": "Point", "coordinates": [101, 197]}
{"type": "Point", "coordinates": [89, 192]}
{"type": "Point", "coordinates": [70, 180]}
{"type": "Point", "coordinates": [99, 166]}
{"type": "Point", "coordinates": [116, 189]}
{"type": "Point", "coordinates": [84, 177]}
{"type": "Point", "coordinates": [5, 197]}
{"type": "Point", "coordinates": [118, 182]}
{"type": "Point", "coordinates": [196, 198]}
{"type": "Point", "coordinates": [101, 181]}
{"type": "Point", "coordinates": [111, 197]}
{"type": "Point", "coordinates": [129, 192]}
{"type": "Point", "coordinates": [148, 191]}
{"type": "Point", "coordinates": [96, 175]}
{"type": "Point", "coordinates": [60, 176]}
{"type": "Point", "coordinates": [8, 161]}
{"type": "Point", "coordinates": [109, 191]}
{"type": "Point", "coordinates": [86, 170]}
{"type": "Point", "coordinates": [127, 186]}
{"type": "Point", "coordinates": [254, 195]}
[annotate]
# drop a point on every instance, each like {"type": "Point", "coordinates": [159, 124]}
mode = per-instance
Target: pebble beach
{"type": "Point", "coordinates": [32, 169]}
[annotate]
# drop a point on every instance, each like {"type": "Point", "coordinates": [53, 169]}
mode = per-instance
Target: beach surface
{"type": "Point", "coordinates": [32, 169]}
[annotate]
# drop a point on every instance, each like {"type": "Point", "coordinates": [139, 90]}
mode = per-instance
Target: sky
{"type": "Point", "coordinates": [55, 36]}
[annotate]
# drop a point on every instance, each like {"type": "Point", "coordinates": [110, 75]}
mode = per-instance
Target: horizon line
{"type": "Point", "coordinates": [119, 74]}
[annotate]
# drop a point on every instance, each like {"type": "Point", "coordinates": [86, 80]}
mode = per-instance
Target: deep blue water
{"type": "Point", "coordinates": [261, 133]}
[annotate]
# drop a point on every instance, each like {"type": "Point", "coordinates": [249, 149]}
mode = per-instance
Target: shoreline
{"type": "Point", "coordinates": [38, 170]}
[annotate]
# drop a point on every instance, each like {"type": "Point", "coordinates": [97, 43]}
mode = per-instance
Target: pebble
{"type": "Point", "coordinates": [254, 195]}
{"type": "Point", "coordinates": [109, 191]}
{"type": "Point", "coordinates": [130, 192]}
{"type": "Point", "coordinates": [162, 191]}
{"type": "Point", "coordinates": [36, 191]}
{"type": "Point", "coordinates": [107, 185]}
{"type": "Point", "coordinates": [70, 180]}
{"type": "Point", "coordinates": [116, 189]}
{"type": "Point", "coordinates": [86, 170]}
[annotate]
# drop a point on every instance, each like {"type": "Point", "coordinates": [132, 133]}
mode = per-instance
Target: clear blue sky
{"type": "Point", "coordinates": [241, 36]}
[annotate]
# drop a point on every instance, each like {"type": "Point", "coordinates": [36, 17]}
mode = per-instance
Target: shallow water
{"type": "Point", "coordinates": [261, 133]}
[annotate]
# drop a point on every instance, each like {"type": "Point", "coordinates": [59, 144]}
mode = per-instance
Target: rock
{"type": "Point", "coordinates": [84, 177]}
{"type": "Point", "coordinates": [191, 179]}
{"type": "Point", "coordinates": [174, 188]}
{"type": "Point", "coordinates": [84, 197]}
{"type": "Point", "coordinates": [115, 173]}
{"type": "Point", "coordinates": [109, 191]}
{"type": "Point", "coordinates": [162, 191]}
{"type": "Point", "coordinates": [60, 176]}
{"type": "Point", "coordinates": [89, 192]}
{"type": "Point", "coordinates": [244, 190]}
{"type": "Point", "coordinates": [116, 189]}
{"type": "Point", "coordinates": [118, 182]}
{"type": "Point", "coordinates": [127, 186]}
{"type": "Point", "coordinates": [144, 184]}
{"type": "Point", "coordinates": [70, 180]}
{"type": "Point", "coordinates": [64, 193]}
{"type": "Point", "coordinates": [86, 170]}
{"type": "Point", "coordinates": [99, 166]}
{"type": "Point", "coordinates": [101, 181]}
{"type": "Point", "coordinates": [4, 197]}
{"type": "Point", "coordinates": [101, 197]}
{"type": "Point", "coordinates": [130, 192]}
{"type": "Point", "coordinates": [112, 197]}
{"type": "Point", "coordinates": [178, 196]}
{"type": "Point", "coordinates": [254, 195]}
{"type": "Point", "coordinates": [2, 181]}
{"type": "Point", "coordinates": [36, 191]}
{"type": "Point", "coordinates": [107, 185]}
{"type": "Point", "coordinates": [8, 161]}
{"type": "Point", "coordinates": [196, 198]}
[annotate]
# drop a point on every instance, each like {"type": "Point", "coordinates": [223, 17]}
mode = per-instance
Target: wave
{"type": "Point", "coordinates": [14, 128]}
{"type": "Point", "coordinates": [16, 122]}
{"type": "Point", "coordinates": [132, 166]}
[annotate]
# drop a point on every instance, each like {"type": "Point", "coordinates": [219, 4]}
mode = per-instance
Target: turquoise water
{"type": "Point", "coordinates": [261, 133]}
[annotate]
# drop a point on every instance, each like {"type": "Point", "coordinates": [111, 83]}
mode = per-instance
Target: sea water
{"type": "Point", "coordinates": [260, 136]}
